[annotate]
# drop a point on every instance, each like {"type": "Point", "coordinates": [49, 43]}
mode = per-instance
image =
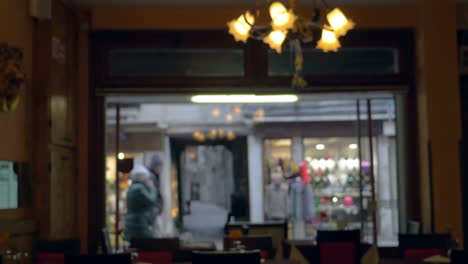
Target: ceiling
{"type": "Point", "coordinates": [93, 3]}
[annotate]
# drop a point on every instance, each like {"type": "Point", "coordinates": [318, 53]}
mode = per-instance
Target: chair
{"type": "Point", "coordinates": [277, 231]}
{"type": "Point", "coordinates": [99, 259]}
{"type": "Point", "coordinates": [156, 250]}
{"type": "Point", "coordinates": [54, 251]}
{"type": "Point", "coordinates": [226, 257]}
{"type": "Point", "coordinates": [421, 246]}
{"type": "Point", "coordinates": [347, 243]}
{"type": "Point", "coordinates": [262, 243]}
{"type": "Point", "coordinates": [459, 257]}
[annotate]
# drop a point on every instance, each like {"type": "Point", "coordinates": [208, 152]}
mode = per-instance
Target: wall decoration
{"type": "Point", "coordinates": [12, 77]}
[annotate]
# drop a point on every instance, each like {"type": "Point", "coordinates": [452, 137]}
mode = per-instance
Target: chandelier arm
{"type": "Point", "coordinates": [325, 4]}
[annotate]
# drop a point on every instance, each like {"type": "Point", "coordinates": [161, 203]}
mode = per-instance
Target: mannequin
{"type": "Point", "coordinates": [301, 202]}
{"type": "Point", "coordinates": [276, 198]}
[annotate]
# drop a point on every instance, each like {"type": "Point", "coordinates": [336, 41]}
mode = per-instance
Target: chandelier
{"type": "Point", "coordinates": [286, 25]}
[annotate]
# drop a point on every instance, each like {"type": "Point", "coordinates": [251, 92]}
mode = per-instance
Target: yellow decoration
{"type": "Point", "coordinates": [281, 18]}
{"type": "Point", "coordinates": [338, 21]}
{"type": "Point", "coordinates": [12, 77]}
{"type": "Point", "coordinates": [275, 40]}
{"type": "Point", "coordinates": [329, 41]}
{"type": "Point", "coordinates": [239, 28]}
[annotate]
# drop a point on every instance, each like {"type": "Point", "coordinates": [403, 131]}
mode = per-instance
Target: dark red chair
{"type": "Point", "coordinates": [339, 247]}
{"type": "Point", "coordinates": [49, 258]}
{"type": "Point", "coordinates": [54, 251]}
{"type": "Point", "coordinates": [329, 253]}
{"type": "Point", "coordinates": [156, 250]}
{"type": "Point", "coordinates": [421, 246]}
{"type": "Point", "coordinates": [155, 257]}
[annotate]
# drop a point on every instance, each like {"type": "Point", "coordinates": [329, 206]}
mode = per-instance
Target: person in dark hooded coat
{"type": "Point", "coordinates": [141, 201]}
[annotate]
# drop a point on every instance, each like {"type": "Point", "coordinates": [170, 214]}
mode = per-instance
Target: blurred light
{"type": "Point", "coordinates": [230, 135]}
{"type": "Point", "coordinates": [353, 146]}
{"type": "Point", "coordinates": [320, 146]}
{"type": "Point", "coordinates": [246, 98]}
{"type": "Point", "coordinates": [259, 114]}
{"type": "Point", "coordinates": [237, 110]}
{"type": "Point", "coordinates": [329, 41]}
{"type": "Point", "coordinates": [338, 21]}
{"type": "Point", "coordinates": [213, 134]}
{"type": "Point", "coordinates": [281, 18]}
{"type": "Point", "coordinates": [335, 199]}
{"type": "Point", "coordinates": [275, 40]}
{"type": "Point", "coordinates": [229, 117]}
{"type": "Point", "coordinates": [216, 112]}
{"type": "Point", "coordinates": [121, 156]}
{"type": "Point", "coordinates": [239, 28]}
{"type": "Point", "coordinates": [220, 133]}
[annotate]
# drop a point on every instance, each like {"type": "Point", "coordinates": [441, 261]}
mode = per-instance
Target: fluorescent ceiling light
{"type": "Point", "coordinates": [245, 98]}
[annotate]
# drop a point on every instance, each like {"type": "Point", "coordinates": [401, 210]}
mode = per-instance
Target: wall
{"type": "Point", "coordinates": [196, 18]}
{"type": "Point", "coordinates": [16, 28]}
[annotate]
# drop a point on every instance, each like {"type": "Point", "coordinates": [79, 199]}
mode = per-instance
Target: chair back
{"type": "Point", "coordinates": [156, 244]}
{"type": "Point", "coordinates": [156, 250]}
{"type": "Point", "coordinates": [353, 236]}
{"type": "Point", "coordinates": [459, 257]}
{"type": "Point", "coordinates": [421, 246]}
{"type": "Point", "coordinates": [226, 257]}
{"type": "Point", "coordinates": [64, 246]}
{"type": "Point", "coordinates": [54, 251]}
{"type": "Point", "coordinates": [345, 242]}
{"type": "Point", "coordinates": [262, 243]}
{"type": "Point", "coordinates": [277, 231]}
{"type": "Point", "coordinates": [99, 259]}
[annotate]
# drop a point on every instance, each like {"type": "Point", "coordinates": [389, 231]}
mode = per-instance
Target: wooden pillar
{"type": "Point", "coordinates": [439, 117]}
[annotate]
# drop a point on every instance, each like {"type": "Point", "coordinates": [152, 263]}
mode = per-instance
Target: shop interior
{"type": "Point", "coordinates": [227, 162]}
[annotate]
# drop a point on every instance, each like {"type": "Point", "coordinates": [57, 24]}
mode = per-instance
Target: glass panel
{"type": "Point", "coordinates": [347, 61]}
{"type": "Point", "coordinates": [176, 62]}
{"type": "Point", "coordinates": [277, 155]}
{"type": "Point", "coordinates": [385, 168]}
{"type": "Point", "coordinates": [15, 185]}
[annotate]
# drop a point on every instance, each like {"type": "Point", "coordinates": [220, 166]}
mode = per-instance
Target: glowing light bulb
{"type": "Point", "coordinates": [320, 146]}
{"type": "Point", "coordinates": [275, 40]}
{"type": "Point", "coordinates": [216, 112]}
{"type": "Point", "coordinates": [213, 134]}
{"type": "Point", "coordinates": [281, 18]}
{"type": "Point", "coordinates": [239, 28]}
{"type": "Point", "coordinates": [230, 135]}
{"type": "Point", "coordinates": [221, 133]}
{"type": "Point", "coordinates": [329, 42]}
{"type": "Point", "coordinates": [121, 156]}
{"type": "Point", "coordinates": [338, 21]}
{"type": "Point", "coordinates": [353, 146]}
{"type": "Point", "coordinates": [237, 110]}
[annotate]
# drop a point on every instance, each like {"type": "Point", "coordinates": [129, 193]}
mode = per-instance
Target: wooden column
{"type": "Point", "coordinates": [439, 117]}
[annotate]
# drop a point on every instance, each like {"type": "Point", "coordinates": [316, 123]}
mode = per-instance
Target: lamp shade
{"type": "Point", "coordinates": [239, 28]}
{"type": "Point", "coordinates": [281, 18]}
{"type": "Point", "coordinates": [275, 40]}
{"type": "Point", "coordinates": [338, 21]}
{"type": "Point", "coordinates": [329, 41]}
